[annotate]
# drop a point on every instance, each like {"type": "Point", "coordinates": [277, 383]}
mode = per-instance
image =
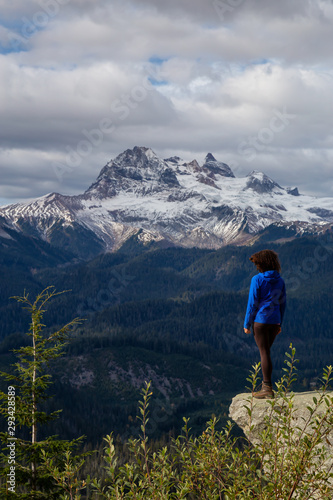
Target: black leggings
{"type": "Point", "coordinates": [264, 335]}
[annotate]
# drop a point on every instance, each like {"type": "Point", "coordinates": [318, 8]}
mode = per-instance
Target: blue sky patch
{"type": "Point", "coordinates": [158, 61]}
{"type": "Point", "coordinates": [157, 83]}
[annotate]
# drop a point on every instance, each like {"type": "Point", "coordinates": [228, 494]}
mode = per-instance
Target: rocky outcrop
{"type": "Point", "coordinates": [262, 408]}
{"type": "Point", "coordinates": [297, 413]}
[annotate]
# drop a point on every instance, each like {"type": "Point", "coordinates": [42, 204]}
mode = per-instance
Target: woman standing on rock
{"type": "Point", "coordinates": [265, 310]}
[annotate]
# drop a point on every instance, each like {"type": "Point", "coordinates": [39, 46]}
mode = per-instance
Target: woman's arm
{"type": "Point", "coordinates": [252, 304]}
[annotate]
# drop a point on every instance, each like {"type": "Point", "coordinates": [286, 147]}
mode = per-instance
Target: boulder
{"type": "Point", "coordinates": [298, 412]}
{"type": "Point", "coordinates": [262, 408]}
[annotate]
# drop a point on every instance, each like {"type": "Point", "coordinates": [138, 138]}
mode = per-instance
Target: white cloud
{"type": "Point", "coordinates": [221, 80]}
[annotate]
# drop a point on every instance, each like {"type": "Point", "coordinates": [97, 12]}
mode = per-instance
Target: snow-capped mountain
{"type": "Point", "coordinates": [183, 204]}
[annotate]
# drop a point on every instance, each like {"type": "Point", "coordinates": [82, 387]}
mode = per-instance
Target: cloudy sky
{"type": "Point", "coordinates": [82, 80]}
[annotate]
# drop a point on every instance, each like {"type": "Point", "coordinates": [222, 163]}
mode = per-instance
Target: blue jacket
{"type": "Point", "coordinates": [267, 299]}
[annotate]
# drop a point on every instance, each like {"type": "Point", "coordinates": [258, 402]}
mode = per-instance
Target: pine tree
{"type": "Point", "coordinates": [34, 468]}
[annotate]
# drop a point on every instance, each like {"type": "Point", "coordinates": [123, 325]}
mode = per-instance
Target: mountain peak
{"type": "Point", "coordinates": [260, 182]}
{"type": "Point", "coordinates": [174, 160]}
{"type": "Point", "coordinates": [209, 157]}
{"type": "Point", "coordinates": [217, 167]}
{"type": "Point", "coordinates": [135, 170]}
{"type": "Point", "coordinates": [186, 204]}
{"type": "Point", "coordinates": [139, 156]}
{"type": "Point", "coordinates": [293, 191]}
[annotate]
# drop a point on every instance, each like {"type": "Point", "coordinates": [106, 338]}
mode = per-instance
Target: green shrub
{"type": "Point", "coordinates": [286, 461]}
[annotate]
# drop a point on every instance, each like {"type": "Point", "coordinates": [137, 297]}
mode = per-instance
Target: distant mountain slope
{"type": "Point", "coordinates": [169, 202]}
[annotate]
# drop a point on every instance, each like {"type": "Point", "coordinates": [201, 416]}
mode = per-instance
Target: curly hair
{"type": "Point", "coordinates": [266, 260]}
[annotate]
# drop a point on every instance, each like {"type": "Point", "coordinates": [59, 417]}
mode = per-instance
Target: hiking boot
{"type": "Point", "coordinates": [266, 392]}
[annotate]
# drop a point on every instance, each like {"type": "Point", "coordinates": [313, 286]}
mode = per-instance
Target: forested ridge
{"type": "Point", "coordinates": [172, 314]}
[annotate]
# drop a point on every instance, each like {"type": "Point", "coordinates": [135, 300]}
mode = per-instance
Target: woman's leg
{"type": "Point", "coordinates": [264, 336]}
